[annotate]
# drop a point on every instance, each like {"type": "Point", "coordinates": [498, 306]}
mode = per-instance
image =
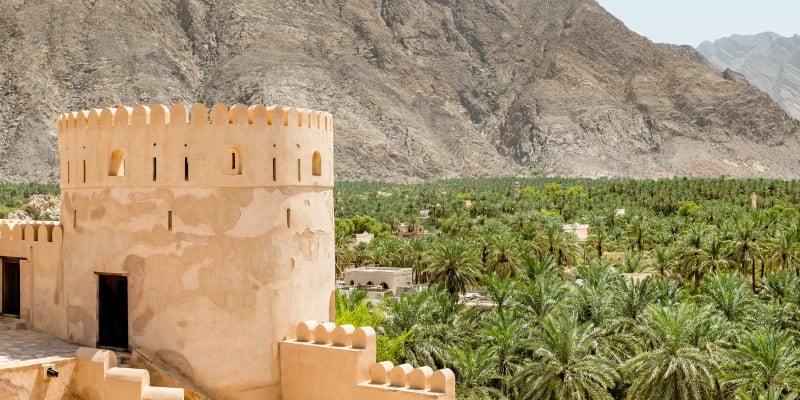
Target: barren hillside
{"type": "Point", "coordinates": [769, 61]}
{"type": "Point", "coordinates": [419, 89]}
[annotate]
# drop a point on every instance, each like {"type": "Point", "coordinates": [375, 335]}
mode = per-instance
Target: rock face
{"type": "Point", "coordinates": [769, 61]}
{"type": "Point", "coordinates": [39, 206]}
{"type": "Point", "coordinates": [419, 89]}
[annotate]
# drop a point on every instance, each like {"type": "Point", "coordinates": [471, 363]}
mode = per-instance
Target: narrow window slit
{"type": "Point", "coordinates": [74, 219]}
{"type": "Point", "coordinates": [288, 218]}
{"type": "Point", "coordinates": [154, 169]}
{"type": "Point", "coordinates": [169, 221]}
{"type": "Point", "coordinates": [185, 168]}
{"type": "Point", "coordinates": [274, 173]}
{"type": "Point", "coordinates": [298, 170]}
{"type": "Point", "coordinates": [84, 171]}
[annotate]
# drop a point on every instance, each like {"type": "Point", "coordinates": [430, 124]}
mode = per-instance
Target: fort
{"type": "Point", "coordinates": [203, 239]}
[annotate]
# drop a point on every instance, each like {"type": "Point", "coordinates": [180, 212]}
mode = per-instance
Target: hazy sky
{"type": "Point", "coordinates": [693, 21]}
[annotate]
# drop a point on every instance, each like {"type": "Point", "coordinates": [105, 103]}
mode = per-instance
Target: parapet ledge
{"type": "Point", "coordinates": [220, 114]}
{"type": "Point", "coordinates": [31, 231]}
{"type": "Point", "coordinates": [329, 334]}
{"type": "Point", "coordinates": [385, 374]}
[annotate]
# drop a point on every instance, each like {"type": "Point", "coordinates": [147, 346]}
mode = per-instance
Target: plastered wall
{"type": "Point", "coordinates": [30, 382]}
{"type": "Point", "coordinates": [221, 261]}
{"type": "Point", "coordinates": [37, 246]}
{"type": "Point", "coordinates": [326, 361]}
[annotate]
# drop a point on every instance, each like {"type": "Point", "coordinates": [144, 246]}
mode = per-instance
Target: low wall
{"type": "Point", "coordinates": [326, 359]}
{"type": "Point", "coordinates": [30, 382]}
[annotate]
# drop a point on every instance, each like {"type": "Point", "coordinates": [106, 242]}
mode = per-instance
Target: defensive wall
{"type": "Point", "coordinates": [218, 226]}
{"type": "Point", "coordinates": [325, 361]}
{"type": "Point", "coordinates": [37, 247]}
{"type": "Point", "coordinates": [221, 222]}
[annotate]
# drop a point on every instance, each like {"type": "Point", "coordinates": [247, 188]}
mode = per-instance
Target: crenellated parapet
{"type": "Point", "coordinates": [326, 358]}
{"type": "Point", "coordinates": [12, 230]}
{"type": "Point", "coordinates": [239, 146]}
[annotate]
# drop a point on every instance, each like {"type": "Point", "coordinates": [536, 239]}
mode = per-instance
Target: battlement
{"type": "Point", "coordinates": [326, 358]}
{"type": "Point", "coordinates": [31, 231]}
{"type": "Point", "coordinates": [159, 146]}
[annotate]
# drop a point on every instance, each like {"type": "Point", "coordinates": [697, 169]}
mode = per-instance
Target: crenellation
{"type": "Point", "coordinates": [443, 381]}
{"type": "Point", "coordinates": [398, 376]}
{"type": "Point", "coordinates": [342, 336]}
{"type": "Point", "coordinates": [177, 114]}
{"type": "Point", "coordinates": [219, 115]}
{"type": "Point", "coordinates": [239, 115]}
{"type": "Point", "coordinates": [419, 378]}
{"type": "Point", "coordinates": [352, 350]}
{"type": "Point", "coordinates": [17, 233]}
{"type": "Point", "coordinates": [140, 115]}
{"type": "Point", "coordinates": [168, 147]}
{"type": "Point", "coordinates": [199, 115]}
{"type": "Point", "coordinates": [379, 372]}
{"type": "Point", "coordinates": [5, 230]}
{"type": "Point", "coordinates": [93, 118]}
{"type": "Point", "coordinates": [106, 117]}
{"type": "Point", "coordinates": [259, 115]}
{"type": "Point", "coordinates": [323, 332]}
{"type": "Point", "coordinates": [364, 338]}
{"type": "Point", "coordinates": [305, 331]}
{"type": "Point", "coordinates": [275, 115]}
{"type": "Point", "coordinates": [30, 231]}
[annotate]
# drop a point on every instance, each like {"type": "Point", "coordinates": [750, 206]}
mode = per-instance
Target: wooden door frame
{"type": "Point", "coordinates": [3, 262]}
{"type": "Point", "coordinates": [99, 276]}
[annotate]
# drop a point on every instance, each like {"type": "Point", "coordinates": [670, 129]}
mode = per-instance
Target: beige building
{"type": "Point", "coordinates": [384, 277]}
{"type": "Point", "coordinates": [410, 231]}
{"type": "Point", "coordinates": [201, 238]}
{"type": "Point", "coordinates": [581, 231]}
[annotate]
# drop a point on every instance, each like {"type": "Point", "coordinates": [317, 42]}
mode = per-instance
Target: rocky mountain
{"type": "Point", "coordinates": [769, 61]}
{"type": "Point", "coordinates": [419, 89]}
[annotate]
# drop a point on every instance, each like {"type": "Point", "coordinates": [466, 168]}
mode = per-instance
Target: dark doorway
{"type": "Point", "coordinates": [112, 312]}
{"type": "Point", "coordinates": [11, 287]}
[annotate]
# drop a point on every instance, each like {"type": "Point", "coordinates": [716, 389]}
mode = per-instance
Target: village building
{"type": "Point", "coordinates": [385, 278]}
{"type": "Point", "coordinates": [410, 231]}
{"type": "Point", "coordinates": [581, 231]}
{"type": "Point", "coordinates": [202, 241]}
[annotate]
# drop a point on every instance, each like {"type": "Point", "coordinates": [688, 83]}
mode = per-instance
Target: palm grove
{"type": "Point", "coordinates": [718, 317]}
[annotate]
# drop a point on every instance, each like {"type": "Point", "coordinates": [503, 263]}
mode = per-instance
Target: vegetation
{"type": "Point", "coordinates": [716, 316]}
{"type": "Point", "coordinates": [14, 195]}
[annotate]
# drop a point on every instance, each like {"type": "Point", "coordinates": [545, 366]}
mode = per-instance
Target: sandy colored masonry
{"type": "Point", "coordinates": [217, 227]}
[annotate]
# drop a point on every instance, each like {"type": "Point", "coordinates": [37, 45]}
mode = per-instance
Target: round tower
{"type": "Point", "coordinates": [198, 237]}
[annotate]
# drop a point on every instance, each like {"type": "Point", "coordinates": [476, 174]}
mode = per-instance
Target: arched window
{"type": "Point", "coordinates": [232, 161]}
{"type": "Point", "coordinates": [316, 164]}
{"type": "Point", "coordinates": [116, 165]}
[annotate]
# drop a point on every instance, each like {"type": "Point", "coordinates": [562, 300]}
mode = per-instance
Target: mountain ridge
{"type": "Point", "coordinates": [768, 60]}
{"type": "Point", "coordinates": [418, 90]}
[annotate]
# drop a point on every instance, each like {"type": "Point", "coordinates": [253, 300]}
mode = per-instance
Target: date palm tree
{"type": "Point", "coordinates": [503, 256]}
{"type": "Point", "coordinates": [745, 246]}
{"type": "Point", "coordinates": [475, 371]}
{"type": "Point", "coordinates": [784, 249]}
{"type": "Point", "coordinates": [766, 358]}
{"type": "Point", "coordinates": [671, 366]}
{"type": "Point", "coordinates": [727, 292]}
{"type": "Point", "coordinates": [455, 264]}
{"type": "Point", "coordinates": [559, 244]}
{"type": "Point", "coordinates": [563, 363]}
